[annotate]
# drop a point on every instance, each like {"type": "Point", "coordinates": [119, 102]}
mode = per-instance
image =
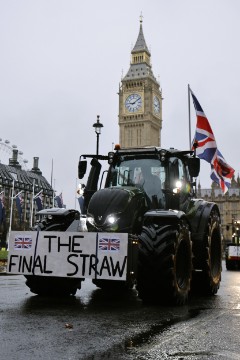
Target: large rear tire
{"type": "Point", "coordinates": [53, 286]}
{"type": "Point", "coordinates": [207, 281]}
{"type": "Point", "coordinates": [164, 264]}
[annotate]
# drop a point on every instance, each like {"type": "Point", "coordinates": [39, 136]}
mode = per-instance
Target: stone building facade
{"type": "Point", "coordinates": [13, 180]}
{"type": "Point", "coordinates": [229, 205]}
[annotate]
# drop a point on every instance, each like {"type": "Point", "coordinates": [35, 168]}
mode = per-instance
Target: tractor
{"type": "Point", "coordinates": [148, 194]}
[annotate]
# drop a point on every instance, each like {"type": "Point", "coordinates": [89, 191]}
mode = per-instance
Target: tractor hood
{"type": "Point", "coordinates": [116, 209]}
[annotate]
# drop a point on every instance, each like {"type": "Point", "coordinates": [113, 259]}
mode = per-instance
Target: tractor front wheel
{"type": "Point", "coordinates": [52, 286]}
{"type": "Point", "coordinates": [164, 264]}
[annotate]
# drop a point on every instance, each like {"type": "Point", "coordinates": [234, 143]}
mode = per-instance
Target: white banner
{"type": "Point", "coordinates": [68, 254]}
{"type": "Point", "coordinates": [234, 252]}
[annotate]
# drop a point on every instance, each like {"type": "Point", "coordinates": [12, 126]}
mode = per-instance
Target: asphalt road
{"type": "Point", "coordinates": [95, 325]}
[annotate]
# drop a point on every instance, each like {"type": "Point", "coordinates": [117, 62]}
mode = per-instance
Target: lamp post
{"type": "Point", "coordinates": [97, 127]}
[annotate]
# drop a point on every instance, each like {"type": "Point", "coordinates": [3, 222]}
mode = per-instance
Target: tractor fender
{"type": "Point", "coordinates": [198, 217]}
{"type": "Point", "coordinates": [163, 217]}
{"type": "Point", "coordinates": [202, 218]}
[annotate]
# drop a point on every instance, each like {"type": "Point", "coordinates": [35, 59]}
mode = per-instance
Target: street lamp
{"type": "Point", "coordinates": [97, 127]}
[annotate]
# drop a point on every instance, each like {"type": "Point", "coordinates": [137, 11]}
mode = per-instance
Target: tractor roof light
{"type": "Point", "coordinates": [110, 157]}
{"type": "Point", "coordinates": [163, 155]}
{"type": "Point", "coordinates": [117, 147]}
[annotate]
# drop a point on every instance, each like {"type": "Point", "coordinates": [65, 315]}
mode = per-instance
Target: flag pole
{"type": "Point", "coordinates": [76, 194]}
{"type": "Point", "coordinates": [52, 173]}
{"type": "Point", "coordinates": [1, 206]}
{"type": "Point", "coordinates": [53, 205]}
{"type": "Point", "coordinates": [10, 220]}
{"type": "Point", "coordinates": [52, 186]}
{"type": "Point", "coordinates": [189, 119]}
{"type": "Point", "coordinates": [31, 219]}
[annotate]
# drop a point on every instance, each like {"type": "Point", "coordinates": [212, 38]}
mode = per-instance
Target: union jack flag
{"type": "Point", "coordinates": [112, 244]}
{"type": "Point", "coordinates": [22, 243]}
{"type": "Point", "coordinates": [205, 146]}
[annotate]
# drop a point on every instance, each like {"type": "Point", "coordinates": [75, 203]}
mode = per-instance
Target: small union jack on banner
{"type": "Point", "coordinates": [111, 244]}
{"type": "Point", "coordinates": [205, 146]}
{"type": "Point", "coordinates": [22, 243]}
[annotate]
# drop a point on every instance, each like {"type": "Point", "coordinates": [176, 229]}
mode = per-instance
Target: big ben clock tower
{"type": "Point", "coordinates": [140, 100]}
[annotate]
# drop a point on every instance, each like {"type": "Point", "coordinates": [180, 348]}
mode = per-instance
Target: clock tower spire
{"type": "Point", "coordinates": [140, 100]}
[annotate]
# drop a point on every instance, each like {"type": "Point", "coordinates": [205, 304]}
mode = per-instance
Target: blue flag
{"type": "Point", "coordinates": [38, 200]}
{"type": "Point", "coordinates": [1, 212]}
{"type": "Point", "coordinates": [59, 201]}
{"type": "Point", "coordinates": [19, 201]}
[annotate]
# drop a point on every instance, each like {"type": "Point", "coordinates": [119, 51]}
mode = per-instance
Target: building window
{"type": "Point", "coordinates": [14, 176]}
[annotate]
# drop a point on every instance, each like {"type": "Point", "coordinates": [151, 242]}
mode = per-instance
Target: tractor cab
{"type": "Point", "coordinates": [139, 180]}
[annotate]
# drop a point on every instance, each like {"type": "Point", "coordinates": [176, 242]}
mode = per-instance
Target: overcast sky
{"type": "Point", "coordinates": [62, 61]}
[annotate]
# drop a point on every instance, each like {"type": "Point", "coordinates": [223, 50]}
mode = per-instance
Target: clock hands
{"type": "Point", "coordinates": [132, 103]}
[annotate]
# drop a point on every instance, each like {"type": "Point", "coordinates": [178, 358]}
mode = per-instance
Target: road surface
{"type": "Point", "coordinates": [95, 325]}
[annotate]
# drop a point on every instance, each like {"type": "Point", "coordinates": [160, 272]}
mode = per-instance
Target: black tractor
{"type": "Point", "coordinates": [149, 193]}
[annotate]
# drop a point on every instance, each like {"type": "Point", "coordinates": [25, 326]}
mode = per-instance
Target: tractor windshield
{"type": "Point", "coordinates": [148, 174]}
{"type": "Point", "coordinates": [166, 184]}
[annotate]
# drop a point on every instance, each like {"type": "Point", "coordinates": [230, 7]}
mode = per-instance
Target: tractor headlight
{"type": "Point", "coordinates": [178, 187]}
{"type": "Point", "coordinates": [111, 219]}
{"type": "Point", "coordinates": [90, 220]}
{"type": "Point", "coordinates": [111, 222]}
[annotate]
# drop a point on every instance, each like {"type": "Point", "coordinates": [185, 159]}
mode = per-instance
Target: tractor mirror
{"type": "Point", "coordinates": [82, 168]}
{"type": "Point", "coordinates": [194, 166]}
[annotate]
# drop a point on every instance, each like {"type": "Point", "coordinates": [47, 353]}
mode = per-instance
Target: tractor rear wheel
{"type": "Point", "coordinates": [207, 281]}
{"type": "Point", "coordinates": [164, 264]}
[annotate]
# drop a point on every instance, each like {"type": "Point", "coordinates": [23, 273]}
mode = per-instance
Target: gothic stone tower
{"type": "Point", "coordinates": [140, 101]}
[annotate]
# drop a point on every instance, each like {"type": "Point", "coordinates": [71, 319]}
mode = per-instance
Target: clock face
{"type": "Point", "coordinates": [156, 105]}
{"type": "Point", "coordinates": [133, 102]}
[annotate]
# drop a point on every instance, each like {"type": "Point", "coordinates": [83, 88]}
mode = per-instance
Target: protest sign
{"type": "Point", "coordinates": [68, 254]}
